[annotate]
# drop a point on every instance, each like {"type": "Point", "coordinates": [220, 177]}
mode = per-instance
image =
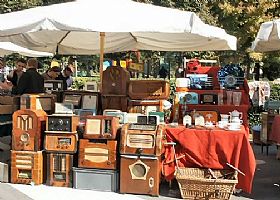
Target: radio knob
{"type": "Point", "coordinates": [60, 122]}
{"type": "Point", "coordinates": [139, 151]}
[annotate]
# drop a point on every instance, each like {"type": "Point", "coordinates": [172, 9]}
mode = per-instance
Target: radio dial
{"type": "Point", "coordinates": [60, 122]}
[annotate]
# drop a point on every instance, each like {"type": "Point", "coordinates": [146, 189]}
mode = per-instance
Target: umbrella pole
{"type": "Point", "coordinates": [102, 40]}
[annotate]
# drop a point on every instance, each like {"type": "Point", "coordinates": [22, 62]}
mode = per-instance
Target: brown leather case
{"type": "Point", "coordinates": [27, 167]}
{"type": "Point", "coordinates": [141, 106]}
{"type": "Point", "coordinates": [38, 101]}
{"type": "Point", "coordinates": [61, 142]}
{"type": "Point", "coordinates": [98, 155]}
{"type": "Point", "coordinates": [59, 123]}
{"type": "Point", "coordinates": [148, 89]}
{"type": "Point", "coordinates": [142, 142]}
{"type": "Point", "coordinates": [140, 175]}
{"type": "Point", "coordinates": [59, 172]}
{"type": "Point", "coordinates": [210, 116]}
{"type": "Point", "coordinates": [118, 102]}
{"type": "Point", "coordinates": [28, 127]}
{"type": "Point", "coordinates": [115, 81]}
{"type": "Point", "coordinates": [101, 127]}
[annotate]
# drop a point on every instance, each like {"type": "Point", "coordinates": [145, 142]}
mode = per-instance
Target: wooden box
{"type": "Point", "coordinates": [118, 102]}
{"type": "Point", "coordinates": [61, 142]}
{"type": "Point", "coordinates": [38, 102]}
{"type": "Point", "coordinates": [98, 155]}
{"type": "Point", "coordinates": [60, 123]}
{"type": "Point", "coordinates": [148, 89]}
{"type": "Point", "coordinates": [101, 127]}
{"type": "Point", "coordinates": [28, 127]}
{"type": "Point", "coordinates": [115, 81]}
{"type": "Point", "coordinates": [59, 172]}
{"type": "Point", "coordinates": [27, 167]}
{"type": "Point", "coordinates": [10, 103]}
{"type": "Point", "coordinates": [142, 142]}
{"type": "Point", "coordinates": [140, 175]}
{"type": "Point", "coordinates": [267, 120]}
{"type": "Point", "coordinates": [145, 106]}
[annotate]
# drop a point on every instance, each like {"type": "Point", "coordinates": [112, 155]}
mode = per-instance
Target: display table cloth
{"type": "Point", "coordinates": [210, 148]}
{"type": "Point", "coordinates": [275, 130]}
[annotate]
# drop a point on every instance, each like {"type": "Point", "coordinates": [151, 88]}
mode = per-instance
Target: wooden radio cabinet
{"type": "Point", "coordinates": [98, 155]}
{"type": "Point", "coordinates": [61, 142]}
{"type": "Point", "coordinates": [145, 106]}
{"type": "Point", "coordinates": [27, 167]}
{"type": "Point", "coordinates": [118, 102]}
{"type": "Point", "coordinates": [59, 172]}
{"type": "Point", "coordinates": [28, 127]}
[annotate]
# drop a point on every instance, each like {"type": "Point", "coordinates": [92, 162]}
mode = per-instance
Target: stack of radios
{"type": "Point", "coordinates": [97, 162]}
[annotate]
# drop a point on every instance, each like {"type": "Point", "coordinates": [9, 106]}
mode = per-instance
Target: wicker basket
{"type": "Point", "coordinates": [196, 183]}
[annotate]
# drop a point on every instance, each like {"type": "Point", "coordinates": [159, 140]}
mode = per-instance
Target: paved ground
{"type": "Point", "coordinates": [266, 186]}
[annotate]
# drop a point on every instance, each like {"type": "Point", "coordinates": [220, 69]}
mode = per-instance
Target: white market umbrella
{"type": "Point", "coordinates": [268, 37]}
{"type": "Point", "coordinates": [7, 48]}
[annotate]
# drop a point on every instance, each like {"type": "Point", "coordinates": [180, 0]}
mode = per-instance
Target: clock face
{"type": "Point", "coordinates": [189, 97]}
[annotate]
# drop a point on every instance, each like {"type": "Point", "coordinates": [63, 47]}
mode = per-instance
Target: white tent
{"type": "Point", "coordinates": [74, 28]}
{"type": "Point", "coordinates": [7, 48]}
{"type": "Point", "coordinates": [268, 37]}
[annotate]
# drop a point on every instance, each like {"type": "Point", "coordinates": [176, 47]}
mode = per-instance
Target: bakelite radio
{"type": "Point", "coordinates": [145, 106]}
{"type": "Point", "coordinates": [61, 142]}
{"type": "Point", "coordinates": [148, 89]}
{"type": "Point", "coordinates": [59, 172]}
{"type": "Point", "coordinates": [101, 127]}
{"type": "Point", "coordinates": [28, 127]}
{"type": "Point", "coordinates": [38, 102]}
{"type": "Point", "coordinates": [62, 123]}
{"type": "Point", "coordinates": [98, 155]}
{"type": "Point", "coordinates": [209, 99]}
{"type": "Point", "coordinates": [116, 113]}
{"type": "Point", "coordinates": [27, 167]}
{"type": "Point", "coordinates": [142, 139]}
{"type": "Point", "coordinates": [140, 174]}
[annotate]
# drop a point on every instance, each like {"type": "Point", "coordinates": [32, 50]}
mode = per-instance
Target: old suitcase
{"type": "Point", "coordinates": [141, 141]}
{"type": "Point", "coordinates": [148, 89]}
{"type": "Point", "coordinates": [38, 102]}
{"type": "Point", "coordinates": [62, 123]}
{"type": "Point", "coordinates": [101, 127]}
{"type": "Point", "coordinates": [118, 102]}
{"type": "Point", "coordinates": [96, 179]}
{"type": "Point", "coordinates": [28, 127]}
{"type": "Point", "coordinates": [27, 167]}
{"type": "Point", "coordinates": [115, 81]}
{"type": "Point", "coordinates": [98, 155]}
{"type": "Point", "coordinates": [61, 142]}
{"type": "Point", "coordinates": [140, 175]}
{"type": "Point", "coordinates": [145, 106]}
{"type": "Point", "coordinates": [59, 169]}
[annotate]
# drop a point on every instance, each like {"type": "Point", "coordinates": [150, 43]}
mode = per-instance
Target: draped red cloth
{"type": "Point", "coordinates": [205, 148]}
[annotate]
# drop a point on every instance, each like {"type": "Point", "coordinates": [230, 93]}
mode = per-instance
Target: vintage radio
{"type": "Point", "coordinates": [115, 81]}
{"type": "Point", "coordinates": [74, 99]}
{"type": "Point", "coordinates": [132, 117]}
{"type": "Point", "coordinates": [12, 101]}
{"type": "Point", "coordinates": [101, 127]}
{"type": "Point", "coordinates": [209, 99]}
{"type": "Point", "coordinates": [62, 123]}
{"type": "Point", "coordinates": [159, 114]}
{"type": "Point", "coordinates": [187, 98]}
{"type": "Point", "coordinates": [148, 89]}
{"type": "Point", "coordinates": [64, 108]}
{"type": "Point", "coordinates": [59, 172]}
{"type": "Point", "coordinates": [209, 116]}
{"type": "Point", "coordinates": [98, 155]}
{"type": "Point", "coordinates": [118, 102]}
{"type": "Point", "coordinates": [200, 81]}
{"type": "Point", "coordinates": [38, 102]}
{"type": "Point", "coordinates": [4, 173]}
{"type": "Point", "coordinates": [145, 106]}
{"type": "Point", "coordinates": [53, 85]}
{"type": "Point", "coordinates": [27, 167]}
{"type": "Point", "coordinates": [28, 127]}
{"type": "Point", "coordinates": [140, 175]}
{"type": "Point", "coordinates": [116, 113]}
{"type": "Point", "coordinates": [61, 142]}
{"type": "Point", "coordinates": [96, 179]}
{"type": "Point", "coordinates": [148, 119]}
{"type": "Point", "coordinates": [142, 139]}
{"type": "Point", "coordinates": [91, 86]}
{"type": "Point", "coordinates": [231, 76]}
{"type": "Point", "coordinates": [90, 101]}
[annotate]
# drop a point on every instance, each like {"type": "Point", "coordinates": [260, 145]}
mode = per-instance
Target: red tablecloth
{"type": "Point", "coordinates": [211, 149]}
{"type": "Point", "coordinates": [275, 130]}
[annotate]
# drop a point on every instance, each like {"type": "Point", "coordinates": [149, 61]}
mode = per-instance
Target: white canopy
{"type": "Point", "coordinates": [74, 28]}
{"type": "Point", "coordinates": [7, 48]}
{"type": "Point", "coordinates": [268, 37]}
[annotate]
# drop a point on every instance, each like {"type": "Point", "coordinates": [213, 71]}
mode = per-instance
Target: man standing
{"type": "Point", "coordinates": [66, 77]}
{"type": "Point", "coordinates": [15, 75]}
{"type": "Point", "coordinates": [52, 73]}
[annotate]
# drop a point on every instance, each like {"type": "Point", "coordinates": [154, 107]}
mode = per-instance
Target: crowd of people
{"type": "Point", "coordinates": [25, 77]}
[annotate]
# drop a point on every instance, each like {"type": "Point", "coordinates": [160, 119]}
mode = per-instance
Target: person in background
{"type": "Point", "coordinates": [52, 73]}
{"type": "Point", "coordinates": [163, 72]}
{"type": "Point", "coordinates": [2, 70]}
{"type": "Point", "coordinates": [66, 77]}
{"type": "Point", "coordinates": [15, 75]}
{"type": "Point", "coordinates": [31, 82]}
